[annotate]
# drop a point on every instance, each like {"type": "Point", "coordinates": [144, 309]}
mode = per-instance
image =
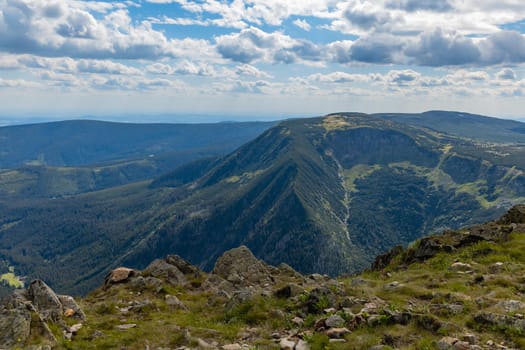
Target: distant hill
{"type": "Point", "coordinates": [466, 125]}
{"type": "Point", "coordinates": [321, 194]}
{"type": "Point", "coordinates": [83, 142]}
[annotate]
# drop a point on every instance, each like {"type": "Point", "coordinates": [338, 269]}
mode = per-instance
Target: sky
{"type": "Point", "coordinates": [260, 59]}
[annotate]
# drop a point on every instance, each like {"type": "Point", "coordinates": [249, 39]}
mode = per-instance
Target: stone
{"type": "Point", "coordinates": [286, 344]}
{"type": "Point", "coordinates": [15, 325]}
{"type": "Point", "coordinates": [204, 344]}
{"type": "Point", "coordinates": [233, 346]}
{"type": "Point", "coordinates": [118, 275]}
{"type": "Point", "coordinates": [70, 305]}
{"type": "Point", "coordinates": [45, 301]}
{"type": "Point", "coordinates": [503, 321]}
{"type": "Point", "coordinates": [240, 267]}
{"type": "Point", "coordinates": [460, 267]}
{"type": "Point", "coordinates": [511, 305]}
{"type": "Point", "coordinates": [69, 312]}
{"type": "Point", "coordinates": [75, 328]}
{"type": "Point", "coordinates": [337, 333]}
{"type": "Point", "coordinates": [334, 321]}
{"type": "Point", "coordinates": [161, 269]}
{"type": "Point", "coordinates": [461, 345]}
{"type": "Point", "coordinates": [302, 345]}
{"type": "Point", "coordinates": [446, 343]}
{"type": "Point", "coordinates": [298, 321]}
{"type": "Point", "coordinates": [174, 302]}
{"type": "Point", "coordinates": [470, 338]}
{"type": "Point", "coordinates": [182, 265]}
{"type": "Point", "coordinates": [124, 327]}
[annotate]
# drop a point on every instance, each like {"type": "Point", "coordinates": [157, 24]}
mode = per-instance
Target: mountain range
{"type": "Point", "coordinates": [323, 194]}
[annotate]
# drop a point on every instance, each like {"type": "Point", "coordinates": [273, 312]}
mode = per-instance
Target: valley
{"type": "Point", "coordinates": [323, 195]}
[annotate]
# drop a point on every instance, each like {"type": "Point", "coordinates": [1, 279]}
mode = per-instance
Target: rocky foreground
{"type": "Point", "coordinates": [459, 290]}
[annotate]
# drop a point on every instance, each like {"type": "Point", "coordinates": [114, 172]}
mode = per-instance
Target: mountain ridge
{"type": "Point", "coordinates": [322, 194]}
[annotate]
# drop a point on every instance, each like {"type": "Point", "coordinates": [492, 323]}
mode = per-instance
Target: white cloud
{"type": "Point", "coordinates": [303, 24]}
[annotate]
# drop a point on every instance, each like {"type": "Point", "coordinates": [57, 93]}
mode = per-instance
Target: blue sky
{"type": "Point", "coordinates": [260, 59]}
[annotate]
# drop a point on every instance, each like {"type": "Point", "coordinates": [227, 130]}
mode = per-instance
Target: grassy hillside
{"type": "Point", "coordinates": [475, 127]}
{"type": "Point", "coordinates": [460, 290]}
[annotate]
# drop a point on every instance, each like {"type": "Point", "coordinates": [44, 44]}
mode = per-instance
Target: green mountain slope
{"type": "Point", "coordinates": [461, 289]}
{"type": "Point", "coordinates": [466, 125]}
{"type": "Point", "coordinates": [322, 194]}
{"type": "Point", "coordinates": [85, 142]}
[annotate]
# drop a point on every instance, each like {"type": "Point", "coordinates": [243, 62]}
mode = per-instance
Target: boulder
{"type": "Point", "coordinates": [45, 301]}
{"type": "Point", "coordinates": [174, 302]}
{"type": "Point", "coordinates": [70, 307]}
{"type": "Point", "coordinates": [241, 268]}
{"type": "Point", "coordinates": [182, 265]}
{"type": "Point", "coordinates": [337, 333]}
{"type": "Point", "coordinates": [15, 325]}
{"type": "Point", "coordinates": [334, 321]}
{"type": "Point", "coordinates": [118, 275]}
{"type": "Point", "coordinates": [163, 270]}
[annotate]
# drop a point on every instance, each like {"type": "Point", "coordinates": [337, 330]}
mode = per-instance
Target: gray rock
{"type": "Point", "coordinates": [505, 321]}
{"type": "Point", "coordinates": [163, 270]}
{"type": "Point", "coordinates": [511, 305]}
{"type": "Point", "coordinates": [69, 303]}
{"type": "Point", "coordinates": [446, 343]}
{"type": "Point", "coordinates": [240, 267]}
{"type": "Point", "coordinates": [174, 302]}
{"type": "Point", "coordinates": [302, 345]}
{"type": "Point", "coordinates": [287, 344]}
{"type": "Point", "coordinates": [233, 346]}
{"type": "Point", "coordinates": [119, 275]}
{"type": "Point", "coordinates": [337, 333]}
{"type": "Point", "coordinates": [15, 325]}
{"type": "Point", "coordinates": [462, 267]}
{"type": "Point", "coordinates": [45, 301]}
{"type": "Point", "coordinates": [125, 327]}
{"type": "Point", "coordinates": [182, 265]}
{"type": "Point", "coordinates": [334, 321]}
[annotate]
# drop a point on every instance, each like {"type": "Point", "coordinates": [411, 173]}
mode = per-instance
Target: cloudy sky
{"type": "Point", "coordinates": [260, 58]}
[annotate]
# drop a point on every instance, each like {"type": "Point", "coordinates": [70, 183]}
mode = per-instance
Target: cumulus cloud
{"type": "Point", "coordinates": [68, 28]}
{"type": "Point", "coordinates": [421, 5]}
{"type": "Point", "coordinates": [303, 24]}
{"type": "Point", "coordinates": [253, 44]}
{"type": "Point", "coordinates": [506, 74]}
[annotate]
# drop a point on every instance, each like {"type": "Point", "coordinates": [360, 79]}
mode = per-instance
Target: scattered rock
{"type": "Point", "coordinates": [174, 302]}
{"type": "Point", "coordinates": [334, 321]}
{"type": "Point", "coordinates": [511, 305]}
{"type": "Point", "coordinates": [204, 344]}
{"type": "Point", "coordinates": [240, 267]}
{"type": "Point", "coordinates": [71, 308]}
{"type": "Point", "coordinates": [75, 328]}
{"type": "Point", "coordinates": [45, 301]}
{"type": "Point", "coordinates": [393, 285]}
{"type": "Point", "coordinates": [460, 267]}
{"type": "Point", "coordinates": [124, 327]}
{"type": "Point", "coordinates": [337, 333]}
{"type": "Point", "coordinates": [161, 269]}
{"type": "Point", "coordinates": [492, 319]}
{"type": "Point", "coordinates": [470, 338]}
{"type": "Point", "coordinates": [233, 346]}
{"type": "Point", "coordinates": [446, 343]}
{"type": "Point", "coordinates": [298, 321]}
{"type": "Point", "coordinates": [119, 275]}
{"type": "Point", "coordinates": [286, 344]}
